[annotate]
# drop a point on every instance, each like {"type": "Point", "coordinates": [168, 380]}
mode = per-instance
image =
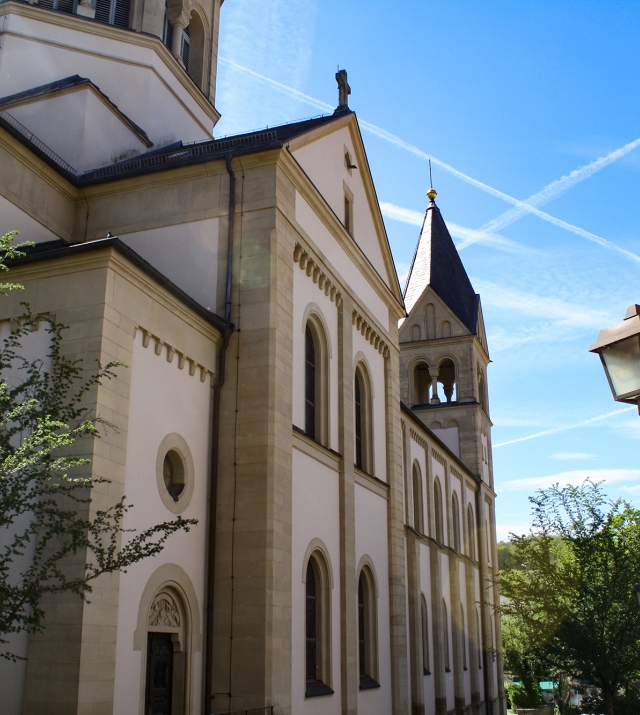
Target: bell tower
{"type": "Point", "coordinates": [105, 80]}
{"type": "Point", "coordinates": [443, 347]}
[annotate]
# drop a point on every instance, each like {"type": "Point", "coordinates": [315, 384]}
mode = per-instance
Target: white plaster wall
{"type": "Point", "coordinates": [339, 261]}
{"type": "Point", "coordinates": [425, 584]}
{"type": "Point", "coordinates": [315, 514]}
{"type": "Point", "coordinates": [371, 539]}
{"type": "Point", "coordinates": [187, 254]}
{"type": "Point", "coordinates": [13, 675]}
{"type": "Point", "coordinates": [451, 437]}
{"type": "Point", "coordinates": [305, 293]}
{"type": "Point", "coordinates": [137, 79]}
{"type": "Point", "coordinates": [80, 127]}
{"type": "Point", "coordinates": [443, 561]}
{"type": "Point", "coordinates": [324, 162]}
{"type": "Point", "coordinates": [13, 218]}
{"type": "Point", "coordinates": [375, 364]}
{"type": "Point", "coordinates": [163, 399]}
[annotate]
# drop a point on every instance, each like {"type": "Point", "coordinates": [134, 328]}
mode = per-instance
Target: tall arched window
{"type": "Point", "coordinates": [471, 534]}
{"type": "Point", "coordinates": [455, 521]}
{"type": "Point", "coordinates": [445, 637]}
{"type": "Point", "coordinates": [317, 631]}
{"type": "Point", "coordinates": [316, 381]}
{"type": "Point", "coordinates": [461, 635]}
{"type": "Point", "coordinates": [447, 376]}
{"type": "Point", "coordinates": [417, 500]}
{"type": "Point", "coordinates": [363, 421]}
{"type": "Point", "coordinates": [437, 506]}
{"type": "Point", "coordinates": [367, 632]}
{"type": "Point", "coordinates": [425, 637]}
{"type": "Point", "coordinates": [310, 383]}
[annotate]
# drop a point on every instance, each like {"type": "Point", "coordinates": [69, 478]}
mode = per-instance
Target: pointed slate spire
{"type": "Point", "coordinates": [436, 263]}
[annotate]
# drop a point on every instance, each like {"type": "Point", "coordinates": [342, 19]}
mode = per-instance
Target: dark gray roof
{"type": "Point", "coordinates": [59, 85]}
{"type": "Point", "coordinates": [436, 263]}
{"type": "Point", "coordinates": [170, 156]}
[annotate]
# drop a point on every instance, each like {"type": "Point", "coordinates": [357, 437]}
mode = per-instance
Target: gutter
{"type": "Point", "coordinates": [215, 452]}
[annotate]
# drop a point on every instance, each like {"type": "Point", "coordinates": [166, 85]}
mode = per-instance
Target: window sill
{"type": "Point", "coordinates": [367, 683]}
{"type": "Point", "coordinates": [315, 689]}
{"type": "Point", "coordinates": [373, 483]}
{"type": "Point", "coordinates": [314, 449]}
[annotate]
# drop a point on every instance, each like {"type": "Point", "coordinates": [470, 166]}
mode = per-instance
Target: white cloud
{"type": "Point", "coordinates": [561, 312]}
{"type": "Point", "coordinates": [503, 531]}
{"type": "Point", "coordinates": [564, 428]}
{"type": "Point", "coordinates": [574, 477]}
{"type": "Point", "coordinates": [574, 455]}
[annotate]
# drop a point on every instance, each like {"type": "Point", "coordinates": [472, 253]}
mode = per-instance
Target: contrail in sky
{"type": "Point", "coordinates": [552, 190]}
{"type": "Point", "coordinates": [565, 428]}
{"type": "Point", "coordinates": [396, 141]}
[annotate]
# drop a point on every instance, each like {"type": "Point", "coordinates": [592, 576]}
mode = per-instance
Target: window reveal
{"type": "Point", "coordinates": [359, 420]}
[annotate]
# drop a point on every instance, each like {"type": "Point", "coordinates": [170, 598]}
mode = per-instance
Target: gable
{"type": "Point", "coordinates": [80, 125]}
{"type": "Point", "coordinates": [321, 154]}
{"type": "Point", "coordinates": [429, 313]}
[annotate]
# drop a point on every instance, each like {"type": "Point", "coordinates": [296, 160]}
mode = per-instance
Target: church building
{"type": "Point", "coordinates": [330, 433]}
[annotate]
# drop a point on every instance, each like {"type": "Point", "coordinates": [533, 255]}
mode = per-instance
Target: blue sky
{"type": "Point", "coordinates": [508, 99]}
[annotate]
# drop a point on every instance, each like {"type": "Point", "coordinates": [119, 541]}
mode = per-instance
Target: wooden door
{"type": "Point", "coordinates": [159, 674]}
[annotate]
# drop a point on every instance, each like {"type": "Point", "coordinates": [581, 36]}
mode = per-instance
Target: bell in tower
{"type": "Point", "coordinates": [443, 347]}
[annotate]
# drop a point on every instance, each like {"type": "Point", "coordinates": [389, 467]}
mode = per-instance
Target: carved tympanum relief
{"type": "Point", "coordinates": [164, 612]}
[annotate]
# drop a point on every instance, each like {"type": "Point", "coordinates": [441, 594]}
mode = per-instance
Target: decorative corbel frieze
{"type": "Point", "coordinates": [370, 334]}
{"type": "Point", "coordinates": [315, 272]}
{"type": "Point", "coordinates": [171, 352]}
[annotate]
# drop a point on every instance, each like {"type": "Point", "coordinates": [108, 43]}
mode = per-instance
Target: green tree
{"type": "Point", "coordinates": [46, 518]}
{"type": "Point", "coordinates": [571, 608]}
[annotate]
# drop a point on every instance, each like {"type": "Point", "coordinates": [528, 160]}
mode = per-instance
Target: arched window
{"type": "Point", "coordinates": [316, 413]}
{"type": "Point", "coordinates": [363, 421]}
{"type": "Point", "coordinates": [425, 637]}
{"type": "Point", "coordinates": [430, 314]}
{"type": "Point", "coordinates": [415, 333]}
{"type": "Point", "coordinates": [482, 391]}
{"type": "Point", "coordinates": [194, 60]}
{"type": "Point", "coordinates": [421, 384]}
{"type": "Point", "coordinates": [417, 500]}
{"type": "Point", "coordinates": [461, 635]}
{"type": "Point", "coordinates": [447, 376]}
{"type": "Point", "coordinates": [310, 383]}
{"type": "Point", "coordinates": [455, 522]}
{"type": "Point", "coordinates": [445, 636]}
{"type": "Point", "coordinates": [317, 631]}
{"type": "Point", "coordinates": [367, 632]}
{"type": "Point", "coordinates": [471, 534]}
{"type": "Point", "coordinates": [437, 506]}
{"type": "Point", "coordinates": [446, 329]}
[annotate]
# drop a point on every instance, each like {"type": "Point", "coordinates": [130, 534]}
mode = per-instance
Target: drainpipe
{"type": "Point", "coordinates": [483, 577]}
{"type": "Point", "coordinates": [214, 451]}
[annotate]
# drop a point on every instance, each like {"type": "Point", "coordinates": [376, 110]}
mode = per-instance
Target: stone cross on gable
{"type": "Point", "coordinates": [343, 90]}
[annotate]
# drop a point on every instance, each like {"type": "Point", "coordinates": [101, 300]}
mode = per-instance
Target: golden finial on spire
{"type": "Point", "coordinates": [432, 193]}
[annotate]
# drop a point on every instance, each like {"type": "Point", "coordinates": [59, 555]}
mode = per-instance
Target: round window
{"type": "Point", "coordinates": [173, 474]}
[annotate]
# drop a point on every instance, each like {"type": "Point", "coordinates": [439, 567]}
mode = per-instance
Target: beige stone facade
{"type": "Point", "coordinates": [248, 286]}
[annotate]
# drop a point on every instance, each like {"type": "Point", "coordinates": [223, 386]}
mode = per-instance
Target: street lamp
{"type": "Point", "coordinates": [636, 590]}
{"type": "Point", "coordinates": [619, 350]}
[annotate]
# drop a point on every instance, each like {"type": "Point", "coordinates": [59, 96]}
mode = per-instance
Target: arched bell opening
{"type": "Point", "coordinates": [194, 60]}
{"type": "Point", "coordinates": [447, 378]}
{"type": "Point", "coordinates": [421, 384]}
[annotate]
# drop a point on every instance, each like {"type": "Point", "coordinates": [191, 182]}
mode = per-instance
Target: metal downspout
{"type": "Point", "coordinates": [214, 451]}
